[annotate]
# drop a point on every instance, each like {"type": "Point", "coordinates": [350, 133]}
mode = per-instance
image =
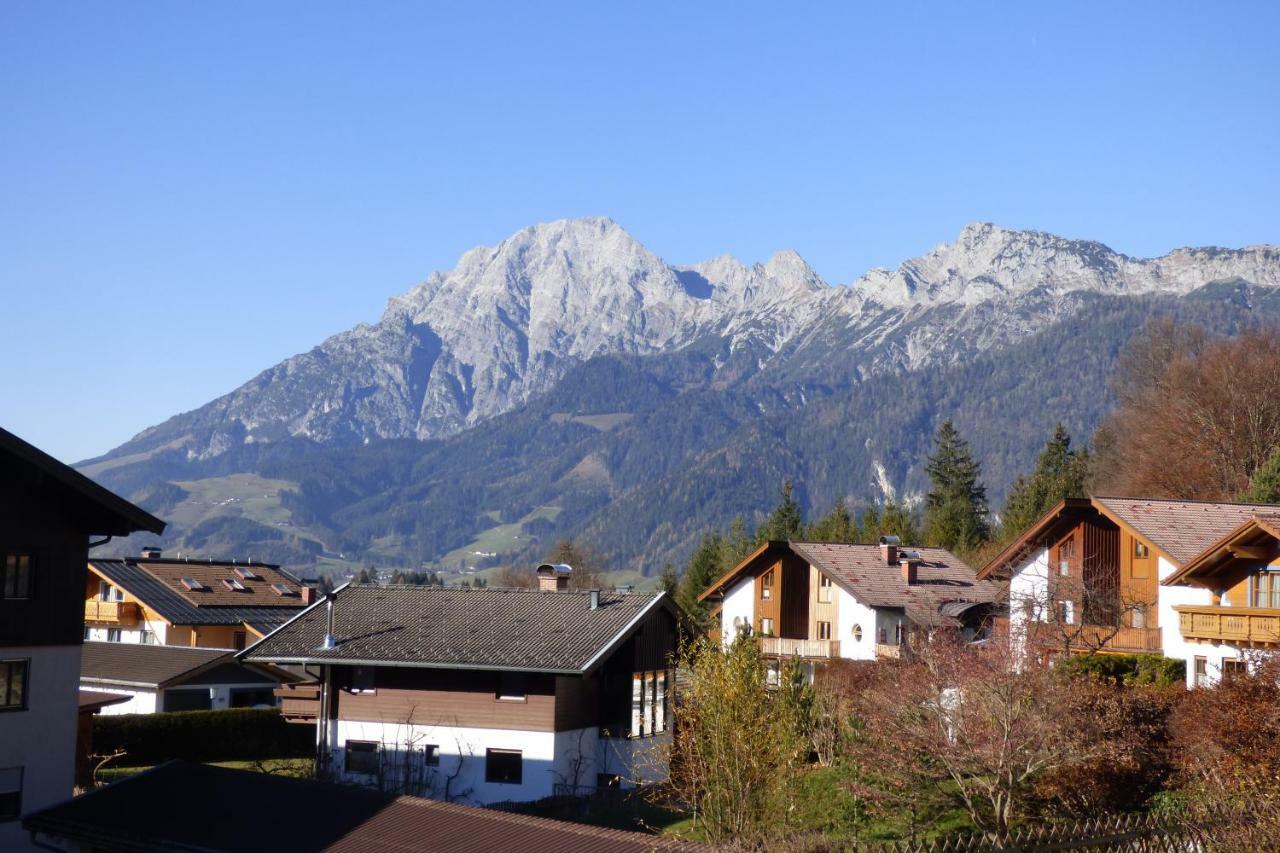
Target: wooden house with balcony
{"type": "Point", "coordinates": [1239, 574]}
{"type": "Point", "coordinates": [1097, 574]}
{"type": "Point", "coordinates": [820, 601]}
{"type": "Point", "coordinates": [217, 604]}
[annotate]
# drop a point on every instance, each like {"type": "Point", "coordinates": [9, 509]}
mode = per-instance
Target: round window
{"type": "Point", "coordinates": [857, 633]}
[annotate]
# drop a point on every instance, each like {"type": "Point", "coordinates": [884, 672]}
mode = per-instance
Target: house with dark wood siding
{"type": "Point", "coordinates": [482, 695]}
{"type": "Point", "coordinates": [49, 515]}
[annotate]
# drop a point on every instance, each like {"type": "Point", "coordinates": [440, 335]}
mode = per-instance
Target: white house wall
{"type": "Point", "coordinates": [738, 608]}
{"type": "Point", "coordinates": [851, 612]}
{"type": "Point", "coordinates": [41, 739]}
{"type": "Point", "coordinates": [1173, 644]}
{"type": "Point", "coordinates": [1028, 592]}
{"type": "Point", "coordinates": [129, 635]}
{"type": "Point", "coordinates": [568, 758]}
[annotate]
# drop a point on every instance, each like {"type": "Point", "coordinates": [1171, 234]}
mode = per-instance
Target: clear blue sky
{"type": "Point", "coordinates": [190, 192]}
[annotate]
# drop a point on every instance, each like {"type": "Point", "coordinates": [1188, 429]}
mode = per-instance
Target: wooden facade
{"type": "Point", "coordinates": [782, 592]}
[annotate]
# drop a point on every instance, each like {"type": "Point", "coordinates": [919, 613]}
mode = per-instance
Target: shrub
{"type": "Point", "coordinates": [1128, 669]}
{"type": "Point", "coordinates": [243, 734]}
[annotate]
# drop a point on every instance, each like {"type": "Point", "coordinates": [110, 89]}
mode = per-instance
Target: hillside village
{"type": "Point", "coordinates": [1085, 665]}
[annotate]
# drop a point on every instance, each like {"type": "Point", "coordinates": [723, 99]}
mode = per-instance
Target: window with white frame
{"type": "Point", "coordinates": [10, 793]}
{"type": "Point", "coordinates": [824, 588]}
{"type": "Point", "coordinates": [649, 702]}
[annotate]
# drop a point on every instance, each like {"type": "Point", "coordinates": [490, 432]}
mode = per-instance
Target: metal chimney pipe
{"type": "Point", "coordinates": [329, 641]}
{"type": "Point", "coordinates": [595, 599]}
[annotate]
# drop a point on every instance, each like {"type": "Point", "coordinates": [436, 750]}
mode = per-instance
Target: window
{"type": "Point", "coordinates": [1265, 590]}
{"type": "Point", "coordinates": [281, 589]}
{"type": "Point", "coordinates": [10, 793]}
{"type": "Point", "coordinates": [766, 626]}
{"type": "Point", "coordinates": [1066, 553]}
{"type": "Point", "coordinates": [233, 585]}
{"type": "Point", "coordinates": [193, 584]}
{"type": "Point", "coordinates": [608, 780]}
{"type": "Point", "coordinates": [148, 638]}
{"type": "Point", "coordinates": [513, 687]}
{"type": "Point", "coordinates": [247, 574]}
{"type": "Point", "coordinates": [824, 588]}
{"type": "Point", "coordinates": [648, 703]}
{"type": "Point", "coordinates": [1138, 619]}
{"type": "Point", "coordinates": [113, 635]}
{"type": "Point", "coordinates": [16, 582]}
{"type": "Point", "coordinates": [824, 630]}
{"type": "Point", "coordinates": [1232, 668]}
{"type": "Point", "coordinates": [362, 757]}
{"type": "Point", "coordinates": [857, 633]}
{"type": "Point", "coordinates": [1140, 550]}
{"type": "Point", "coordinates": [431, 755]}
{"type": "Point", "coordinates": [13, 685]}
{"type": "Point", "coordinates": [1066, 612]}
{"type": "Point", "coordinates": [238, 640]}
{"type": "Point", "coordinates": [766, 584]}
{"type": "Point", "coordinates": [1201, 671]}
{"type": "Point", "coordinates": [503, 766]}
{"type": "Point", "coordinates": [362, 680]}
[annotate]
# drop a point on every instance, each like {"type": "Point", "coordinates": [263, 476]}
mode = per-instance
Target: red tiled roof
{"type": "Point", "coordinates": [862, 571]}
{"type": "Point", "coordinates": [1182, 529]}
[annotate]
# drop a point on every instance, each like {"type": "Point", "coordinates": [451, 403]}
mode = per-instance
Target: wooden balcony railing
{"type": "Point", "coordinates": [1249, 626]}
{"type": "Point", "coordinates": [112, 612]}
{"type": "Point", "coordinates": [299, 703]}
{"type": "Point", "coordinates": [787, 647]}
{"type": "Point", "coordinates": [888, 650]}
{"type": "Point", "coordinates": [1096, 637]}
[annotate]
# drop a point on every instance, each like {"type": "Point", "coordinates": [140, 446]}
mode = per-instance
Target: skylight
{"type": "Point", "coordinates": [281, 589]}
{"type": "Point", "coordinates": [233, 585]}
{"type": "Point", "coordinates": [247, 574]}
{"type": "Point", "coordinates": [193, 584]}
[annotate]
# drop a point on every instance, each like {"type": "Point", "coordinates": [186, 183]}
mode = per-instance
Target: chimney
{"type": "Point", "coordinates": [330, 642]}
{"type": "Point", "coordinates": [910, 563]}
{"type": "Point", "coordinates": [308, 594]}
{"type": "Point", "coordinates": [595, 599]}
{"type": "Point", "coordinates": [151, 552]}
{"type": "Point", "coordinates": [554, 577]}
{"type": "Point", "coordinates": [889, 549]}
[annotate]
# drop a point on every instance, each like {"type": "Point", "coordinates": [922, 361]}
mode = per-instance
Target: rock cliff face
{"type": "Point", "coordinates": [508, 322]}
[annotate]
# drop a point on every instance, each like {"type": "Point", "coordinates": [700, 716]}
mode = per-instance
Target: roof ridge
{"type": "Point", "coordinates": [1183, 501]}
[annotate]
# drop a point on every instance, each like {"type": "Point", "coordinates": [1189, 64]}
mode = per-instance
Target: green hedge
{"type": "Point", "coordinates": [234, 734]}
{"type": "Point", "coordinates": [1129, 669]}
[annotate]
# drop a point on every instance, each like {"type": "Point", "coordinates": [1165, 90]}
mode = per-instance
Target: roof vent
{"type": "Point", "coordinates": [330, 642]}
{"type": "Point", "coordinates": [554, 577]}
{"type": "Point", "coordinates": [151, 552]}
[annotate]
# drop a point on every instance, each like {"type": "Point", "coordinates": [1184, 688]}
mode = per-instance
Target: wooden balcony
{"type": "Point", "coordinates": [1103, 638]}
{"type": "Point", "coordinates": [888, 650]}
{"type": "Point", "coordinates": [112, 612]}
{"type": "Point", "coordinates": [787, 647]}
{"type": "Point", "coordinates": [1242, 626]}
{"type": "Point", "coordinates": [299, 703]}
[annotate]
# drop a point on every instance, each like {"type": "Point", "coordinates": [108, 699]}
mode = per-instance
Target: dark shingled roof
{"type": "Point", "coordinates": [942, 579]}
{"type": "Point", "coordinates": [159, 595]}
{"type": "Point", "coordinates": [1182, 529]}
{"type": "Point", "coordinates": [452, 627]}
{"type": "Point", "coordinates": [154, 811]}
{"type": "Point", "coordinates": [144, 665]}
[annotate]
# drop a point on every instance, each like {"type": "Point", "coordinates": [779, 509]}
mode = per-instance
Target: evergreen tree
{"type": "Point", "coordinates": [736, 544]}
{"type": "Point", "coordinates": [704, 567]}
{"type": "Point", "coordinates": [955, 515]}
{"type": "Point", "coordinates": [669, 581]}
{"type": "Point", "coordinates": [897, 520]}
{"type": "Point", "coordinates": [835, 526]}
{"type": "Point", "coordinates": [785, 522]}
{"type": "Point", "coordinates": [1264, 487]}
{"type": "Point", "coordinates": [1060, 473]}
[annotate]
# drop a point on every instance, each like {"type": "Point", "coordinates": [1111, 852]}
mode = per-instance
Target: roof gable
{"type": "Point", "coordinates": [158, 585]}
{"type": "Point", "coordinates": [1255, 532]}
{"type": "Point", "coordinates": [1179, 529]}
{"type": "Point", "coordinates": [103, 511]}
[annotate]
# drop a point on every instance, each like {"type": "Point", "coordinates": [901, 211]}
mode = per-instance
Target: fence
{"type": "Point", "coordinates": [1134, 833]}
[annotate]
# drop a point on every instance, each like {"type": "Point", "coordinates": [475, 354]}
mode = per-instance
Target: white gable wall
{"type": "Point", "coordinates": [739, 607]}
{"type": "Point", "coordinates": [851, 612]}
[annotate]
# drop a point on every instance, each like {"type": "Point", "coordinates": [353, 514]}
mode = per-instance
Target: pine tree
{"type": "Point", "coordinates": [955, 515]}
{"type": "Point", "coordinates": [669, 581]}
{"type": "Point", "coordinates": [704, 567]}
{"type": "Point", "coordinates": [785, 522]}
{"type": "Point", "coordinates": [1060, 473]}
{"type": "Point", "coordinates": [1264, 487]}
{"type": "Point", "coordinates": [736, 544]}
{"type": "Point", "coordinates": [835, 526]}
